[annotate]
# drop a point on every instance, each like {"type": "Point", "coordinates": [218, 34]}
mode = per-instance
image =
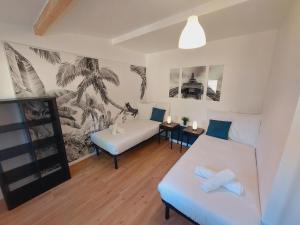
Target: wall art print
{"type": "Point", "coordinates": [197, 82]}
{"type": "Point", "coordinates": [214, 82]}
{"type": "Point", "coordinates": [193, 80]}
{"type": "Point", "coordinates": [91, 93]}
{"type": "Point", "coordinates": [174, 83]}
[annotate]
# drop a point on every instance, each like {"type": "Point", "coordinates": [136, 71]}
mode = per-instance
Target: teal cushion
{"type": "Point", "coordinates": [158, 114]}
{"type": "Point", "coordinates": [218, 129]}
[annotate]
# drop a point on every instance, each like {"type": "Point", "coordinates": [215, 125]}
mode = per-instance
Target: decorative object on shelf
{"type": "Point", "coordinates": [195, 125]}
{"type": "Point", "coordinates": [169, 119]}
{"type": "Point", "coordinates": [32, 142]}
{"type": "Point", "coordinates": [185, 120]}
{"type": "Point", "coordinates": [192, 35]}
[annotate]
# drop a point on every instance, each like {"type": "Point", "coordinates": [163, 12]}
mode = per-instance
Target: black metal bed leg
{"type": "Point", "coordinates": [167, 212]}
{"type": "Point", "coordinates": [97, 151]}
{"type": "Point", "coordinates": [116, 162]}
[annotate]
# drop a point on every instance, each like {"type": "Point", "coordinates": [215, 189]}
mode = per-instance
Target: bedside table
{"type": "Point", "coordinates": [188, 132]}
{"type": "Point", "coordinates": [169, 127]}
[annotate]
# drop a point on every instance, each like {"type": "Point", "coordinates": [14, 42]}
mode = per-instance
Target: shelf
{"type": "Point", "coordinates": [19, 173]}
{"type": "Point", "coordinates": [49, 161]}
{"type": "Point", "coordinates": [14, 151]}
{"type": "Point", "coordinates": [41, 143]}
{"type": "Point", "coordinates": [22, 125]}
{"type": "Point", "coordinates": [33, 123]}
{"type": "Point", "coordinates": [12, 127]}
{"type": "Point", "coordinates": [23, 174]}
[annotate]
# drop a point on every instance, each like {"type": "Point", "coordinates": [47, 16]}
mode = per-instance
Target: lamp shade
{"type": "Point", "coordinates": [193, 35]}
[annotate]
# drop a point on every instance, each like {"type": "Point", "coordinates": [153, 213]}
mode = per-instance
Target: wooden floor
{"type": "Point", "coordinates": [99, 194]}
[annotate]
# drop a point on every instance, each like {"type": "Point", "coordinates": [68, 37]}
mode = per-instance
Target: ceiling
{"type": "Point", "coordinates": [111, 18]}
{"type": "Point", "coordinates": [20, 12]}
{"type": "Point", "coordinates": [151, 25]}
{"type": "Point", "coordinates": [250, 17]}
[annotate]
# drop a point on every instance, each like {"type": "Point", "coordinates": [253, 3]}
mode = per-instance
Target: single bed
{"type": "Point", "coordinates": [135, 132]}
{"type": "Point", "coordinates": [181, 189]}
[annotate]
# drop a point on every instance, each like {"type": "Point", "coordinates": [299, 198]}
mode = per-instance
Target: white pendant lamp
{"type": "Point", "coordinates": [193, 35]}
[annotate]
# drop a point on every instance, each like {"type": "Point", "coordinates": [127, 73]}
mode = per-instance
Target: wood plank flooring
{"type": "Point", "coordinates": [100, 195]}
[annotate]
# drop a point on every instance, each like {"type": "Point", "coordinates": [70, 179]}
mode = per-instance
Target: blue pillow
{"type": "Point", "coordinates": [157, 114]}
{"type": "Point", "coordinates": [218, 129]}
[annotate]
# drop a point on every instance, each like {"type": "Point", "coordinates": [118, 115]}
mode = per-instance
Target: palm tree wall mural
{"type": "Point", "coordinates": [91, 93]}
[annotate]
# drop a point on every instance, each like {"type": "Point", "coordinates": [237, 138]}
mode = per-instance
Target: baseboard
{"type": "Point", "coordinates": [78, 165]}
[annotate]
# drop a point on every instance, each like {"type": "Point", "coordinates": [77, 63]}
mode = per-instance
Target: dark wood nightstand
{"type": "Point", "coordinates": [169, 127]}
{"type": "Point", "coordinates": [188, 132]}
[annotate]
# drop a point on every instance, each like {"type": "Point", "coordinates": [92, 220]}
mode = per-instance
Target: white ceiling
{"type": "Point", "coordinates": [111, 18]}
{"type": "Point", "coordinates": [116, 19]}
{"type": "Point", "coordinates": [249, 17]}
{"type": "Point", "coordinates": [20, 12]}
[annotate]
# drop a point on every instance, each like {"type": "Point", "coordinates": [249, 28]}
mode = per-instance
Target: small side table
{"type": "Point", "coordinates": [188, 132]}
{"type": "Point", "coordinates": [169, 127]}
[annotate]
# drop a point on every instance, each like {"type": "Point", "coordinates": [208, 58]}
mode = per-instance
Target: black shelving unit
{"type": "Point", "coordinates": [32, 151]}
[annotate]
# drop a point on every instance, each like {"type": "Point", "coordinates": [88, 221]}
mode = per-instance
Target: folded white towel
{"type": "Point", "coordinates": [234, 186]}
{"type": "Point", "coordinates": [218, 180]}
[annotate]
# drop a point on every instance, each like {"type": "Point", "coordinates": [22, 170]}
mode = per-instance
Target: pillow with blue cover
{"type": "Point", "coordinates": [157, 114]}
{"type": "Point", "coordinates": [218, 129]}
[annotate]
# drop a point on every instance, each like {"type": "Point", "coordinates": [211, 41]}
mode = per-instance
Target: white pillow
{"type": "Point", "coordinates": [145, 110]}
{"type": "Point", "coordinates": [245, 128]}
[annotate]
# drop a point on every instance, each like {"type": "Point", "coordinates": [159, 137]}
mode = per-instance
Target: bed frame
{"type": "Point", "coordinates": [115, 157]}
{"type": "Point", "coordinates": [167, 212]}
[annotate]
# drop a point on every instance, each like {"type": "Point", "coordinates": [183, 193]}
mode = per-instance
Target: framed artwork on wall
{"type": "Point", "coordinates": [174, 83]}
{"type": "Point", "coordinates": [193, 80]}
{"type": "Point", "coordinates": [197, 82]}
{"type": "Point", "coordinates": [214, 82]}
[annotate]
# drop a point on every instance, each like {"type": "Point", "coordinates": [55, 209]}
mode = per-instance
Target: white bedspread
{"type": "Point", "coordinates": [182, 188]}
{"type": "Point", "coordinates": [135, 132]}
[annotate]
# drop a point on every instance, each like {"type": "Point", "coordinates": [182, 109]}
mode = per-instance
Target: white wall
{"type": "Point", "coordinates": [280, 100]}
{"type": "Point", "coordinates": [247, 62]}
{"type": "Point", "coordinates": [283, 204]}
{"type": "Point", "coordinates": [78, 44]}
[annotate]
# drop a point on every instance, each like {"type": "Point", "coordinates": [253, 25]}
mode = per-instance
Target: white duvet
{"type": "Point", "coordinates": [133, 132]}
{"type": "Point", "coordinates": [182, 188]}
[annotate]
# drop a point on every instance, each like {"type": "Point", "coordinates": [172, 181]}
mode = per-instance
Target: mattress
{"type": "Point", "coordinates": [182, 188]}
{"type": "Point", "coordinates": [135, 132]}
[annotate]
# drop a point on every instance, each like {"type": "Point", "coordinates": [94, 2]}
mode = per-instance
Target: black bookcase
{"type": "Point", "coordinates": [32, 152]}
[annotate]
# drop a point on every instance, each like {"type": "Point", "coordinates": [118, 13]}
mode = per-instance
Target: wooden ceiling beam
{"type": "Point", "coordinates": [50, 13]}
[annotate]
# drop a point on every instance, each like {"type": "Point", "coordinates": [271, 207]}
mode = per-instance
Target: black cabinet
{"type": "Point", "coordinates": [32, 152]}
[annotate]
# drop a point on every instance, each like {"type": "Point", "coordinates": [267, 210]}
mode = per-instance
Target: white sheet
{"type": "Point", "coordinates": [182, 188]}
{"type": "Point", "coordinates": [135, 132]}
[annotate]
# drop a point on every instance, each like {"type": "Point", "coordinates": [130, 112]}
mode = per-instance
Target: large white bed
{"type": "Point", "coordinates": [181, 188]}
{"type": "Point", "coordinates": [134, 132]}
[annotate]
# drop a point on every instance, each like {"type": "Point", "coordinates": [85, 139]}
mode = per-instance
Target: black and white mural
{"type": "Point", "coordinates": [91, 93]}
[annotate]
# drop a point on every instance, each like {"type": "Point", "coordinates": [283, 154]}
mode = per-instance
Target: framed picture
{"type": "Point", "coordinates": [174, 83]}
{"type": "Point", "coordinates": [193, 80]}
{"type": "Point", "coordinates": [214, 82]}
